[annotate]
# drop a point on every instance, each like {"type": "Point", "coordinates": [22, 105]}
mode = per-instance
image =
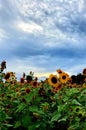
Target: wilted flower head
{"type": "Point", "coordinates": [84, 71]}
{"type": "Point", "coordinates": [29, 78]}
{"type": "Point", "coordinates": [24, 75]}
{"type": "Point", "coordinates": [3, 65]}
{"type": "Point", "coordinates": [22, 80]}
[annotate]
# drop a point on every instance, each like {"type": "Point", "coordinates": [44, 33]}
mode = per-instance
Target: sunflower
{"type": "Point", "coordinates": [56, 88]}
{"type": "Point", "coordinates": [64, 77]}
{"type": "Point", "coordinates": [29, 78]}
{"type": "Point", "coordinates": [17, 89]}
{"type": "Point", "coordinates": [22, 80]}
{"type": "Point", "coordinates": [74, 78]}
{"type": "Point", "coordinates": [27, 90]}
{"type": "Point", "coordinates": [59, 71]}
{"type": "Point", "coordinates": [7, 76]}
{"type": "Point", "coordinates": [81, 114]}
{"type": "Point", "coordinates": [8, 80]}
{"type": "Point", "coordinates": [23, 100]}
{"type": "Point", "coordinates": [11, 73]}
{"type": "Point", "coordinates": [41, 92]}
{"type": "Point", "coordinates": [34, 84]}
{"type": "Point", "coordinates": [84, 71]}
{"type": "Point", "coordinates": [77, 109]}
{"type": "Point", "coordinates": [36, 79]}
{"type": "Point", "coordinates": [53, 80]}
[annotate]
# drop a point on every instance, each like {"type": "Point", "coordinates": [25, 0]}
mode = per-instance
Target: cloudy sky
{"type": "Point", "coordinates": [43, 35]}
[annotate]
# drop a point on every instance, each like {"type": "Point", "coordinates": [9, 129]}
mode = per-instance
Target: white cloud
{"type": "Point", "coordinates": [18, 66]}
{"type": "Point", "coordinates": [29, 27]}
{"type": "Point", "coordinates": [81, 5]}
{"type": "Point", "coordinates": [3, 35]}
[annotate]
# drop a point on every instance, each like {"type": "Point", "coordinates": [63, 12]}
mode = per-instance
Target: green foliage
{"type": "Point", "coordinates": [41, 109]}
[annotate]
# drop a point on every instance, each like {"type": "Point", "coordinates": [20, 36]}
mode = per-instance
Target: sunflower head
{"type": "Point", "coordinates": [59, 71]}
{"type": "Point", "coordinates": [27, 90]}
{"type": "Point", "coordinates": [11, 73]}
{"type": "Point", "coordinates": [64, 77]}
{"type": "Point", "coordinates": [8, 80]}
{"type": "Point", "coordinates": [7, 76]}
{"type": "Point", "coordinates": [53, 80]}
{"type": "Point", "coordinates": [77, 109]}
{"type": "Point", "coordinates": [57, 88]}
{"type": "Point", "coordinates": [17, 89]}
{"type": "Point", "coordinates": [36, 79]}
{"type": "Point", "coordinates": [34, 84]}
{"type": "Point", "coordinates": [23, 100]}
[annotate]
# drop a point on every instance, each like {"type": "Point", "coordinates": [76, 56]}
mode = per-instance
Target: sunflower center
{"type": "Point", "coordinates": [64, 77]}
{"type": "Point", "coordinates": [7, 76]}
{"type": "Point", "coordinates": [34, 83]}
{"type": "Point", "coordinates": [77, 110]}
{"type": "Point", "coordinates": [59, 86]}
{"type": "Point", "coordinates": [54, 80]}
{"type": "Point", "coordinates": [80, 115]}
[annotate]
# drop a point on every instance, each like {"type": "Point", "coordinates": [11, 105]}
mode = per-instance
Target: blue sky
{"type": "Point", "coordinates": [43, 35]}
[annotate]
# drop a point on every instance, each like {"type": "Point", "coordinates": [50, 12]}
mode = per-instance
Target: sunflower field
{"type": "Point", "coordinates": [56, 103]}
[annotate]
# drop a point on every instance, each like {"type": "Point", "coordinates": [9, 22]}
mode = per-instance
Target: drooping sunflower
{"type": "Point", "coordinates": [84, 71]}
{"type": "Point", "coordinates": [53, 80]}
{"type": "Point", "coordinates": [22, 80]}
{"type": "Point", "coordinates": [28, 78]}
{"type": "Point", "coordinates": [80, 78]}
{"type": "Point", "coordinates": [74, 78]}
{"type": "Point", "coordinates": [64, 77]}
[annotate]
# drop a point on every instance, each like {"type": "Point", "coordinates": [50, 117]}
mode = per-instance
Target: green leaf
{"type": "Point", "coordinates": [26, 120]}
{"type": "Point", "coordinates": [20, 107]}
{"type": "Point", "coordinates": [75, 102]}
{"type": "Point", "coordinates": [17, 124]}
{"type": "Point", "coordinates": [31, 127]}
{"type": "Point", "coordinates": [7, 125]}
{"type": "Point", "coordinates": [65, 99]}
{"type": "Point", "coordinates": [62, 107]}
{"type": "Point", "coordinates": [63, 119]}
{"type": "Point", "coordinates": [84, 125]}
{"type": "Point", "coordinates": [29, 97]}
{"type": "Point", "coordinates": [56, 116]}
{"type": "Point", "coordinates": [75, 126]}
{"type": "Point", "coordinates": [72, 91]}
{"type": "Point", "coordinates": [2, 115]}
{"type": "Point", "coordinates": [35, 109]}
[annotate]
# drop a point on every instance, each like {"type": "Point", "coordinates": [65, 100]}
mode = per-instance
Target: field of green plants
{"type": "Point", "coordinates": [56, 103]}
